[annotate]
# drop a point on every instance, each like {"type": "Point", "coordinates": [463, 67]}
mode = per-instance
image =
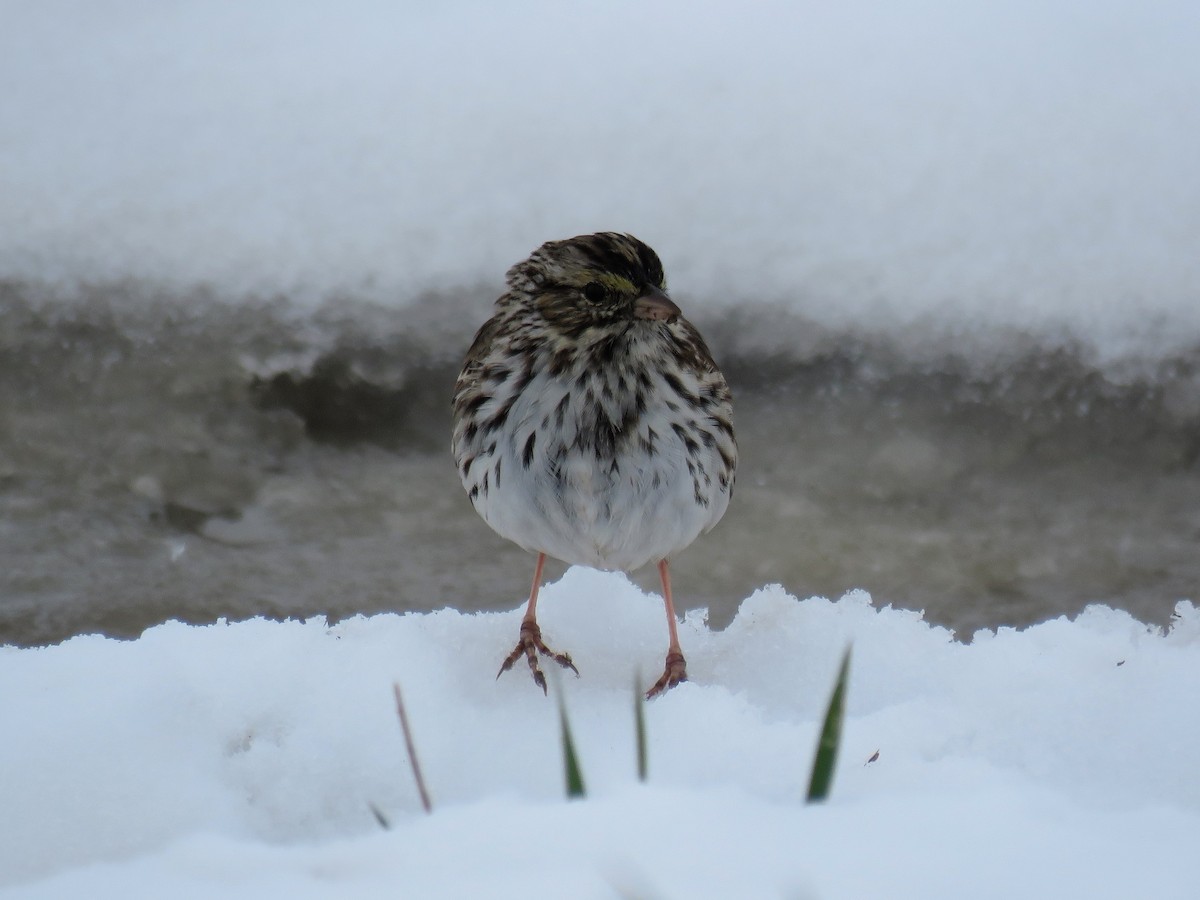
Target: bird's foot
{"type": "Point", "coordinates": [530, 644]}
{"type": "Point", "coordinates": [675, 672]}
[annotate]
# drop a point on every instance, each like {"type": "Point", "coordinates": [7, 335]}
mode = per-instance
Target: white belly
{"type": "Point", "coordinates": [602, 490]}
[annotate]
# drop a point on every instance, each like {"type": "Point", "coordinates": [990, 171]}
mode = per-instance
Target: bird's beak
{"type": "Point", "coordinates": [656, 306]}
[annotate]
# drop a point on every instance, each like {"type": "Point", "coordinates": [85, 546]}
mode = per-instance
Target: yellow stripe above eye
{"type": "Point", "coordinates": [615, 283]}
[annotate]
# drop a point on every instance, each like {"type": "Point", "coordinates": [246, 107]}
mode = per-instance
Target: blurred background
{"type": "Point", "coordinates": [945, 253]}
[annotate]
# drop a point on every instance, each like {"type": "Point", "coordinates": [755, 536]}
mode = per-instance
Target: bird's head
{"type": "Point", "coordinates": [594, 280]}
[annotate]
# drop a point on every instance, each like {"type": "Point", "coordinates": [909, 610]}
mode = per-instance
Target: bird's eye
{"type": "Point", "coordinates": [594, 291]}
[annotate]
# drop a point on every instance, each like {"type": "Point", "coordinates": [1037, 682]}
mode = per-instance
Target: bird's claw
{"type": "Point", "coordinates": [674, 673]}
{"type": "Point", "coordinates": [530, 644]}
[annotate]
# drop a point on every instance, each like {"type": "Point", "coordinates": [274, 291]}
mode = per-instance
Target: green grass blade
{"type": "Point", "coordinates": [639, 723]}
{"type": "Point", "coordinates": [380, 817]}
{"type": "Point", "coordinates": [831, 737]}
{"type": "Point", "coordinates": [573, 774]}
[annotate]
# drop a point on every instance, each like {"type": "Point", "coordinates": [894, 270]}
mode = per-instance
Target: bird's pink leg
{"type": "Point", "coordinates": [530, 642]}
{"type": "Point", "coordinates": [676, 668]}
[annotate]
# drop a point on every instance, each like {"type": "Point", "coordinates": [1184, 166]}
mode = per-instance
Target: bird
{"type": "Point", "coordinates": [591, 424]}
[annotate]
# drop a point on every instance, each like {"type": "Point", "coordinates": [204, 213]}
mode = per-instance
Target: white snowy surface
{"type": "Point", "coordinates": [967, 169]}
{"type": "Point", "coordinates": [238, 760]}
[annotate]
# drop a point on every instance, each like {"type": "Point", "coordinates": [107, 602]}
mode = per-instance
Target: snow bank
{"type": "Point", "coordinates": [949, 167]}
{"type": "Point", "coordinates": [240, 759]}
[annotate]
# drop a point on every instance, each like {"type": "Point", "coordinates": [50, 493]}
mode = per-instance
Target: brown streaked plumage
{"type": "Point", "coordinates": [591, 423]}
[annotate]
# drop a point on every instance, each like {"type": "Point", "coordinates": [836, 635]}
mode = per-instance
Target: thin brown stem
{"type": "Point", "coordinates": [412, 750]}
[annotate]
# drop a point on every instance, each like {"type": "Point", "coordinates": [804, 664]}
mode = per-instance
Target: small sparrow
{"type": "Point", "coordinates": [591, 423]}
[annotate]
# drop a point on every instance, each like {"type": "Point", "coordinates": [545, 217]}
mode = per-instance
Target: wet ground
{"type": "Point", "coordinates": [187, 458]}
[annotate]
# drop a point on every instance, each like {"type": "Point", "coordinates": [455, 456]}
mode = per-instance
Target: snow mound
{"type": "Point", "coordinates": [242, 759]}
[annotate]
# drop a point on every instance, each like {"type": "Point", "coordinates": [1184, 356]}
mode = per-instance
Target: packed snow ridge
{"type": "Point", "coordinates": [244, 758]}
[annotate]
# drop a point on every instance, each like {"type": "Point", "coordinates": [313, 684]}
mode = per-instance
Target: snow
{"type": "Point", "coordinates": [241, 759]}
{"type": "Point", "coordinates": [942, 169]}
